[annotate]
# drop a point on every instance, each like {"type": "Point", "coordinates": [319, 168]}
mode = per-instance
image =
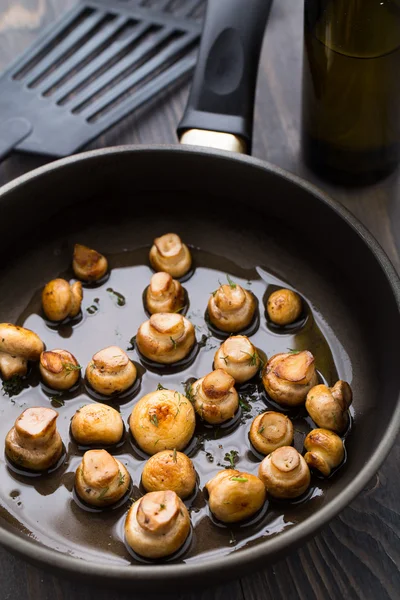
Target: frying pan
{"type": "Point", "coordinates": [237, 208]}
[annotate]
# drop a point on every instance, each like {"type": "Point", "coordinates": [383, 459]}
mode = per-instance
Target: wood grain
{"type": "Point", "coordinates": [358, 554]}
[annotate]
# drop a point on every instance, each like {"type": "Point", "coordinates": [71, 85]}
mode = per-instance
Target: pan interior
{"type": "Point", "coordinates": [257, 251]}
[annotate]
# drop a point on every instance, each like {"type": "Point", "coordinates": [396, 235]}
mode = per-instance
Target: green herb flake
{"type": "Point", "coordinates": [244, 405]}
{"type": "Point", "coordinates": [260, 429]}
{"type": "Point", "coordinates": [162, 507]}
{"type": "Point", "coordinates": [13, 386]}
{"type": "Point", "coordinates": [132, 344]}
{"type": "Point", "coordinates": [232, 284]}
{"type": "Point", "coordinates": [293, 351]}
{"type": "Point", "coordinates": [68, 366]}
{"type": "Point", "coordinates": [121, 478]}
{"type": "Point", "coordinates": [174, 343]}
{"type": "Point", "coordinates": [154, 419]}
{"type": "Point", "coordinates": [160, 387]}
{"type": "Point", "coordinates": [56, 401]}
{"type": "Point", "coordinates": [239, 479]}
{"type": "Point", "coordinates": [232, 457]}
{"type": "Point", "coordinates": [225, 359]}
{"type": "Point", "coordinates": [103, 493]}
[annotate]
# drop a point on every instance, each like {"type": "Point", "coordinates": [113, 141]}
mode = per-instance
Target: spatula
{"type": "Point", "coordinates": [99, 62]}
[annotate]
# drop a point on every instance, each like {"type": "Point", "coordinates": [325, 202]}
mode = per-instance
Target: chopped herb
{"type": "Point", "coordinates": [173, 342]}
{"type": "Point", "coordinates": [232, 284]}
{"type": "Point", "coordinates": [118, 298]}
{"type": "Point", "coordinates": [293, 351]}
{"type": "Point", "coordinates": [204, 340]}
{"type": "Point", "coordinates": [162, 507]}
{"type": "Point", "coordinates": [55, 400]}
{"type": "Point", "coordinates": [154, 419]}
{"type": "Point", "coordinates": [156, 442]}
{"type": "Point", "coordinates": [254, 358]}
{"type": "Point", "coordinates": [160, 387]}
{"type": "Point", "coordinates": [225, 359]}
{"type": "Point", "coordinates": [232, 457]}
{"type": "Point", "coordinates": [190, 395]}
{"type": "Point", "coordinates": [132, 344]}
{"type": "Point", "coordinates": [91, 310]}
{"type": "Point", "coordinates": [214, 292]}
{"type": "Point", "coordinates": [240, 479]}
{"type": "Point", "coordinates": [13, 386]}
{"type": "Point", "coordinates": [178, 310]}
{"type": "Point", "coordinates": [260, 429]}
{"type": "Point", "coordinates": [68, 366]}
{"type": "Point", "coordinates": [174, 457]}
{"type": "Point", "coordinates": [103, 493]}
{"type": "Point", "coordinates": [245, 406]}
{"type": "Point", "coordinates": [121, 478]}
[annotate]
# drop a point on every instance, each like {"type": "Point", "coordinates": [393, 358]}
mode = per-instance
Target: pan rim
{"type": "Point", "coordinates": [292, 537]}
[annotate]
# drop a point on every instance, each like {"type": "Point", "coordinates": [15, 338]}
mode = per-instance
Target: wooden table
{"type": "Point", "coordinates": [358, 554]}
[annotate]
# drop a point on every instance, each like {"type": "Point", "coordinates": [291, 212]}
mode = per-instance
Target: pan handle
{"type": "Point", "coordinates": [220, 109]}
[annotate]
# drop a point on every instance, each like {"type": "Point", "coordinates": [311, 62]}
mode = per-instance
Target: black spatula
{"type": "Point", "coordinates": [99, 62]}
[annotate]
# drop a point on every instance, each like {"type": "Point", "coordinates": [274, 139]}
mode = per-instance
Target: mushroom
{"type": "Point", "coordinates": [234, 496]}
{"type": "Point", "coordinates": [59, 369]}
{"type": "Point", "coordinates": [17, 346]}
{"type": "Point", "coordinates": [231, 308]}
{"type": "Point", "coordinates": [215, 398]}
{"type": "Point", "coordinates": [325, 450]}
{"type": "Point", "coordinates": [34, 442]}
{"type": "Point", "coordinates": [111, 371]}
{"type": "Point", "coordinates": [238, 357]}
{"type": "Point", "coordinates": [287, 378]}
{"type": "Point", "coordinates": [164, 294]}
{"type": "Point", "coordinates": [171, 255]}
{"type": "Point", "coordinates": [61, 299]}
{"type": "Point", "coordinates": [285, 473]}
{"type": "Point", "coordinates": [169, 470]}
{"type": "Point", "coordinates": [157, 525]}
{"type": "Point", "coordinates": [97, 424]}
{"type": "Point", "coordinates": [284, 307]}
{"type": "Point", "coordinates": [162, 420]}
{"type": "Point", "coordinates": [270, 431]}
{"type": "Point", "coordinates": [328, 407]}
{"type": "Point", "coordinates": [101, 479]}
{"type": "Point", "coordinates": [166, 338]}
{"type": "Point", "coordinates": [88, 265]}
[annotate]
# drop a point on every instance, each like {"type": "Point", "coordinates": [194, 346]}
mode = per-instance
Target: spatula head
{"type": "Point", "coordinates": [100, 61]}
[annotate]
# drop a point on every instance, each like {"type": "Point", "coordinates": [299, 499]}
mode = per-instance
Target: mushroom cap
{"type": "Point", "coordinates": [328, 407]}
{"type": "Point", "coordinates": [231, 308]}
{"type": "Point", "coordinates": [111, 371]}
{"type": "Point", "coordinates": [288, 377]}
{"type": "Point", "coordinates": [215, 397]}
{"type": "Point", "coordinates": [157, 525]}
{"type": "Point", "coordinates": [171, 255]}
{"type": "Point", "coordinates": [271, 430]}
{"type": "Point", "coordinates": [234, 496]}
{"type": "Point", "coordinates": [325, 450]}
{"type": "Point", "coordinates": [164, 294]}
{"type": "Point", "coordinates": [97, 423]}
{"type": "Point", "coordinates": [19, 341]}
{"type": "Point", "coordinates": [76, 298]}
{"type": "Point", "coordinates": [162, 420]}
{"type": "Point", "coordinates": [284, 307]}
{"type": "Point", "coordinates": [166, 338]}
{"type": "Point", "coordinates": [169, 470]}
{"type": "Point", "coordinates": [238, 357]}
{"type": "Point", "coordinates": [59, 369]}
{"type": "Point", "coordinates": [57, 299]}
{"type": "Point", "coordinates": [101, 479]}
{"type": "Point", "coordinates": [88, 264]}
{"type": "Point", "coordinates": [34, 442]}
{"type": "Point", "coordinates": [285, 473]}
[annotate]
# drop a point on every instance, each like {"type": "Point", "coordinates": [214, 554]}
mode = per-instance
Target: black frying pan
{"type": "Point", "coordinates": [241, 213]}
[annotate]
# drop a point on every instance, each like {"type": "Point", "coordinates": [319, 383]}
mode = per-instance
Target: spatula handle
{"type": "Point", "coordinates": [12, 132]}
{"type": "Point", "coordinates": [223, 89]}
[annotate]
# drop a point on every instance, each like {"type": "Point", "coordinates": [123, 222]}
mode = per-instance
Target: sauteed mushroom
{"type": "Point", "coordinates": [34, 442]}
{"type": "Point", "coordinates": [284, 307]}
{"type": "Point", "coordinates": [171, 255]}
{"type": "Point", "coordinates": [17, 346]}
{"type": "Point", "coordinates": [61, 299]}
{"type": "Point", "coordinates": [285, 473]}
{"type": "Point", "coordinates": [231, 308]}
{"type": "Point", "coordinates": [162, 420]}
{"type": "Point", "coordinates": [325, 450]}
{"type": "Point", "coordinates": [101, 479]}
{"type": "Point", "coordinates": [157, 525]}
{"type": "Point", "coordinates": [110, 371]}
{"type": "Point", "coordinates": [328, 407]}
{"type": "Point", "coordinates": [234, 495]}
{"type": "Point", "coordinates": [270, 431]}
{"type": "Point", "coordinates": [169, 470]}
{"type": "Point", "coordinates": [164, 294]}
{"type": "Point", "coordinates": [88, 265]}
{"type": "Point", "coordinates": [238, 357]}
{"type": "Point", "coordinates": [288, 378]}
{"type": "Point", "coordinates": [166, 338]}
{"type": "Point", "coordinates": [59, 369]}
{"type": "Point", "coordinates": [96, 424]}
{"type": "Point", "coordinates": [215, 398]}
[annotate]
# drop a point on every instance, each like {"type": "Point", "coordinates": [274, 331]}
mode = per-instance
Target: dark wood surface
{"type": "Point", "coordinates": [358, 554]}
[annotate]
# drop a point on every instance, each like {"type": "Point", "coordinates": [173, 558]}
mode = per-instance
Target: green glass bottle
{"type": "Point", "coordinates": [351, 88]}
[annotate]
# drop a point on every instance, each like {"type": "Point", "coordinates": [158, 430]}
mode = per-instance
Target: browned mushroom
{"type": "Point", "coordinates": [61, 299]}
{"type": "Point", "coordinates": [157, 525]}
{"type": "Point", "coordinates": [96, 424]}
{"type": "Point", "coordinates": [166, 338]}
{"type": "Point", "coordinates": [164, 294]}
{"type": "Point", "coordinates": [270, 431]}
{"type": "Point", "coordinates": [169, 470]}
{"type": "Point", "coordinates": [325, 450]}
{"type": "Point", "coordinates": [101, 479]}
{"type": "Point", "coordinates": [215, 398]}
{"type": "Point", "coordinates": [111, 371]}
{"type": "Point", "coordinates": [285, 473]}
{"type": "Point", "coordinates": [34, 442]}
{"type": "Point", "coordinates": [288, 378]}
{"type": "Point", "coordinates": [328, 407]}
{"type": "Point", "coordinates": [231, 308]}
{"type": "Point", "coordinates": [238, 357]}
{"type": "Point", "coordinates": [234, 496]}
{"type": "Point", "coordinates": [171, 255]}
{"type": "Point", "coordinates": [88, 264]}
{"type": "Point", "coordinates": [59, 369]}
{"type": "Point", "coordinates": [284, 307]}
